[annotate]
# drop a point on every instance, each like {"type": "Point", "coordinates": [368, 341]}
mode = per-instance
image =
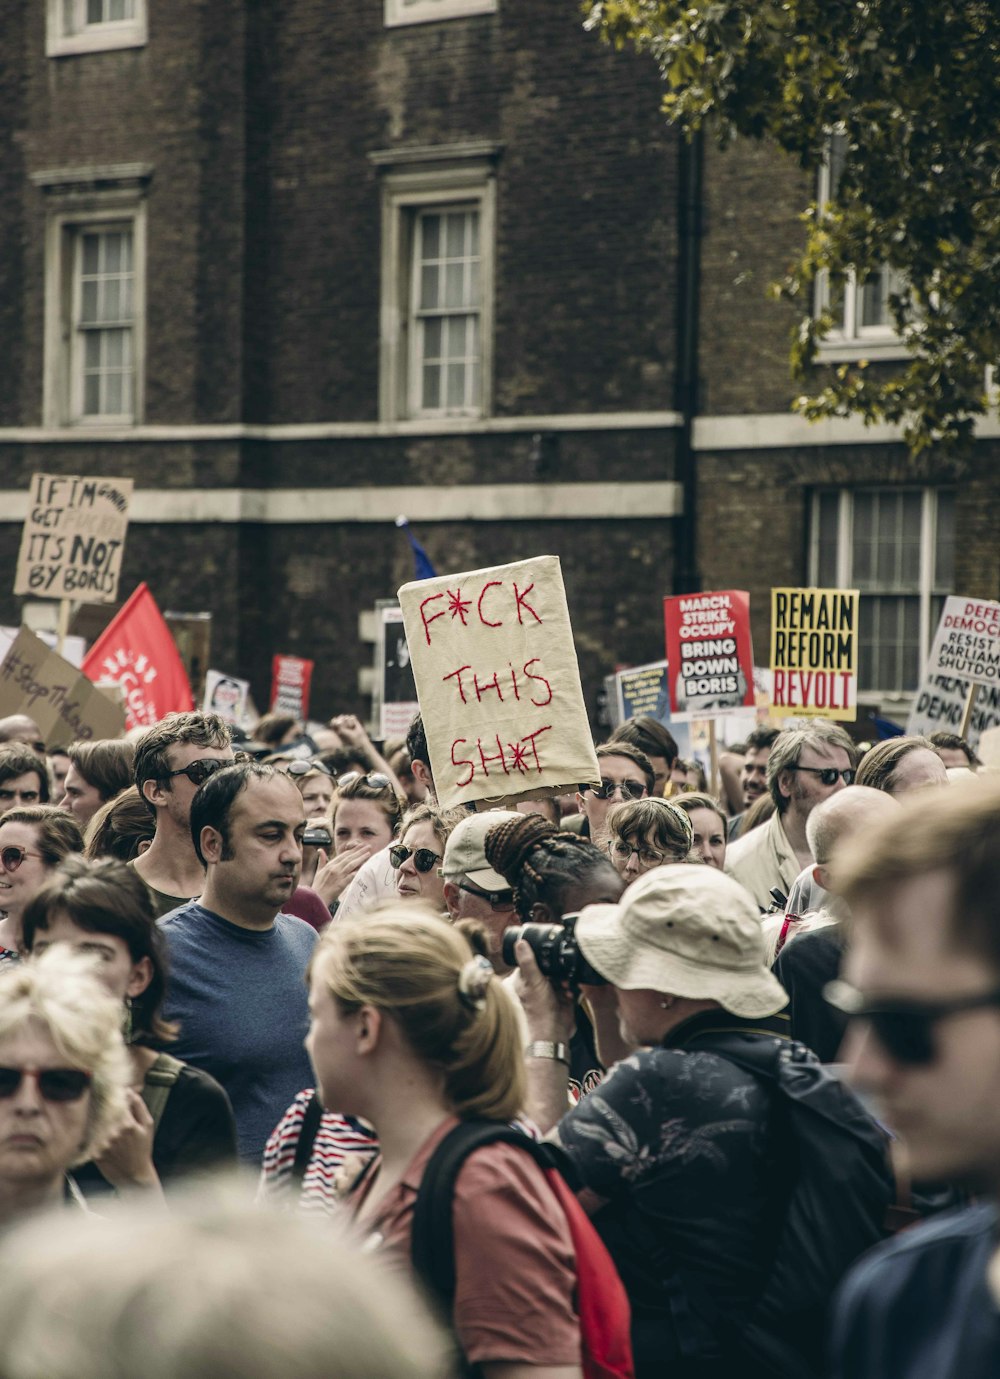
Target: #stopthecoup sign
{"type": "Point", "coordinates": [498, 683]}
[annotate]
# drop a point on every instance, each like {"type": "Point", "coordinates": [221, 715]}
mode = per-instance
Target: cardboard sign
{"type": "Point", "coordinates": [226, 696]}
{"type": "Point", "coordinates": [66, 706]}
{"type": "Point", "coordinates": [967, 641]}
{"type": "Point", "coordinates": [73, 538]}
{"type": "Point", "coordinates": [291, 678]}
{"type": "Point", "coordinates": [498, 683]}
{"type": "Point", "coordinates": [940, 705]}
{"type": "Point", "coordinates": [710, 654]}
{"type": "Point", "coordinates": [643, 691]}
{"type": "Point", "coordinates": [814, 653]}
{"type": "Point", "coordinates": [397, 693]}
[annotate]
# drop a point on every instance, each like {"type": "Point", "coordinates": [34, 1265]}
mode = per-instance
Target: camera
{"type": "Point", "coordinates": [556, 951]}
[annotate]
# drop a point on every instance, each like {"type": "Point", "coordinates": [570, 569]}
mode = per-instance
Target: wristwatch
{"type": "Point", "coordinates": [547, 1048]}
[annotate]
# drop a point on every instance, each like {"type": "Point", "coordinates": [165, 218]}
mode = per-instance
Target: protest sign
{"type": "Point", "coordinates": [940, 706]}
{"type": "Point", "coordinates": [498, 683]}
{"type": "Point", "coordinates": [642, 691]}
{"type": "Point", "coordinates": [136, 652]}
{"type": "Point", "coordinates": [66, 706]}
{"type": "Point", "coordinates": [226, 696]}
{"type": "Point", "coordinates": [967, 642]}
{"type": "Point", "coordinates": [291, 678]}
{"type": "Point", "coordinates": [814, 653]}
{"type": "Point", "coordinates": [397, 693]}
{"type": "Point", "coordinates": [73, 538]}
{"type": "Point", "coordinates": [710, 654]}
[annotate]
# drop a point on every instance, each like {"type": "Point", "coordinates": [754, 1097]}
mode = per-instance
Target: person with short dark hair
{"type": "Point", "coordinates": [753, 773]}
{"type": "Point", "coordinates": [23, 778]}
{"type": "Point", "coordinates": [626, 774]}
{"type": "Point", "coordinates": [656, 742]}
{"type": "Point", "coordinates": [123, 828]}
{"type": "Point", "coordinates": [954, 750]}
{"type": "Point", "coordinates": [98, 771]}
{"type": "Point", "coordinates": [237, 964]}
{"type": "Point", "coordinates": [33, 841]}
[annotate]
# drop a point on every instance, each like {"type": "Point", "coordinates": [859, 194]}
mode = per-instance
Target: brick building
{"type": "Point", "coordinates": [299, 268]}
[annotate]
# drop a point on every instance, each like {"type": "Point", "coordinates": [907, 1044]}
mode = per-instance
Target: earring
{"type": "Point", "coordinates": [665, 1005]}
{"type": "Point", "coordinates": [127, 1021]}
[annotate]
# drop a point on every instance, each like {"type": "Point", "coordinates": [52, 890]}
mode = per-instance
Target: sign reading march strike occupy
{"type": "Point", "coordinates": [498, 683]}
{"type": "Point", "coordinates": [967, 642]}
{"type": "Point", "coordinates": [73, 538]}
{"type": "Point", "coordinates": [814, 653]}
{"type": "Point", "coordinates": [709, 653]}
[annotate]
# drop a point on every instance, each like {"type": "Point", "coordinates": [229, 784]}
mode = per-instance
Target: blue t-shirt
{"type": "Point", "coordinates": [240, 998]}
{"type": "Point", "coordinates": [919, 1306]}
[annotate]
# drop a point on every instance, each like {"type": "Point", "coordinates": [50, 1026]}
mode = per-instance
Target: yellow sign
{"type": "Point", "coordinates": [814, 653]}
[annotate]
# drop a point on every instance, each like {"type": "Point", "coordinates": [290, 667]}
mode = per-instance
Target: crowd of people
{"type": "Point", "coordinates": [667, 1077]}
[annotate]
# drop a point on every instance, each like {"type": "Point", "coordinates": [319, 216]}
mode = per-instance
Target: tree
{"type": "Point", "coordinates": [914, 86]}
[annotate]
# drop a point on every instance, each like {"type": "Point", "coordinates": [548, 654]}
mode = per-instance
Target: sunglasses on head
{"type": "Point", "coordinates": [423, 858]}
{"type": "Point", "coordinates": [11, 857]}
{"type": "Point", "coordinates": [199, 771]}
{"type": "Point", "coordinates": [54, 1084]}
{"type": "Point", "coordinates": [829, 775]}
{"type": "Point", "coordinates": [305, 768]}
{"type": "Point", "coordinates": [631, 789]}
{"type": "Point", "coordinates": [376, 779]}
{"type": "Point", "coordinates": [905, 1029]}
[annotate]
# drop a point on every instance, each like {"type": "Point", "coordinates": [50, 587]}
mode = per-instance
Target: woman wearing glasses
{"type": "Point", "coordinates": [418, 855]}
{"type": "Point", "coordinates": [647, 833]}
{"type": "Point", "coordinates": [63, 1078]}
{"type": "Point", "coordinates": [185, 1124]}
{"type": "Point", "coordinates": [33, 841]}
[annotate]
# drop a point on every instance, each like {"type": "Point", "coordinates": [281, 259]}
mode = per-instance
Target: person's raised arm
{"type": "Point", "coordinates": [354, 736]}
{"type": "Point", "coordinates": [551, 1021]}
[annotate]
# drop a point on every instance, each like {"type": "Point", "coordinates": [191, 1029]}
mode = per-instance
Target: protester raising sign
{"type": "Point", "coordinates": [967, 641]}
{"type": "Point", "coordinates": [498, 682]}
{"type": "Point", "coordinates": [137, 652]}
{"type": "Point", "coordinates": [814, 653]}
{"type": "Point", "coordinates": [709, 653]}
{"type": "Point", "coordinates": [73, 538]}
{"type": "Point", "coordinates": [36, 680]}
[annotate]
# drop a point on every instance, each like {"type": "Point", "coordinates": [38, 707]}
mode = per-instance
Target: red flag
{"type": "Point", "coordinates": [137, 651]}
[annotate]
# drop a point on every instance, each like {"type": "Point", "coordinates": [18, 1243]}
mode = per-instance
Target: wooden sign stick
{"type": "Point", "coordinates": [970, 704]}
{"type": "Point", "coordinates": [62, 626]}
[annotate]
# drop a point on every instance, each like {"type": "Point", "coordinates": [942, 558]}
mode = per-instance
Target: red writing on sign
{"type": "Point", "coordinates": [521, 756]}
{"type": "Point", "coordinates": [812, 689]}
{"type": "Point", "coordinates": [468, 683]}
{"type": "Point", "coordinates": [490, 606]}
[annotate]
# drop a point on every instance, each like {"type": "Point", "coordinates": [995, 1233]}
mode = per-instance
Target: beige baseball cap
{"type": "Point", "coordinates": [465, 850]}
{"type": "Point", "coordinates": [687, 931]}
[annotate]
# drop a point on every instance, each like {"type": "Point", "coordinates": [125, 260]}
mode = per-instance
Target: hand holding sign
{"type": "Point", "coordinates": [498, 682]}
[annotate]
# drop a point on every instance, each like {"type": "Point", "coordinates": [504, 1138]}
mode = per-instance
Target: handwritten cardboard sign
{"type": "Point", "coordinates": [940, 707]}
{"type": "Point", "coordinates": [643, 691]}
{"type": "Point", "coordinates": [73, 538]}
{"type": "Point", "coordinates": [498, 682]}
{"type": "Point", "coordinates": [967, 641]}
{"type": "Point", "coordinates": [814, 653]}
{"type": "Point", "coordinates": [66, 705]}
{"type": "Point", "coordinates": [710, 654]}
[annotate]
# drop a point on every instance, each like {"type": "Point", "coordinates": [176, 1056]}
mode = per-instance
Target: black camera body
{"type": "Point", "coordinates": [556, 951]}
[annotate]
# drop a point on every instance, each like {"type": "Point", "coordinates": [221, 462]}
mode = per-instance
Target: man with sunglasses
{"type": "Point", "coordinates": [472, 889]}
{"type": "Point", "coordinates": [172, 760]}
{"type": "Point", "coordinates": [626, 774]}
{"type": "Point", "coordinates": [922, 992]}
{"type": "Point", "coordinates": [806, 766]}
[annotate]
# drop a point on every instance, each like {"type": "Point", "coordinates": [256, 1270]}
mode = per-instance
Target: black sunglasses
{"type": "Point", "coordinates": [423, 858]}
{"type": "Point", "coordinates": [54, 1084]}
{"type": "Point", "coordinates": [631, 789]}
{"type": "Point", "coordinates": [199, 771]}
{"type": "Point", "coordinates": [499, 900]}
{"type": "Point", "coordinates": [305, 768]}
{"type": "Point", "coordinates": [905, 1029]}
{"type": "Point", "coordinates": [829, 775]}
{"type": "Point", "coordinates": [376, 779]}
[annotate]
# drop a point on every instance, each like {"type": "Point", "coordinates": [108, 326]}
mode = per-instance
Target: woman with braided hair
{"type": "Point", "coordinates": [555, 874]}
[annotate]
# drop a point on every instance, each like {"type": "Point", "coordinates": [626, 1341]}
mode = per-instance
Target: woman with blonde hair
{"type": "Point", "coordinates": [63, 1078]}
{"type": "Point", "coordinates": [411, 1032]}
{"type": "Point", "coordinates": [418, 855]}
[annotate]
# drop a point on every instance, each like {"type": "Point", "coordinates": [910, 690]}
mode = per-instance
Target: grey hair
{"type": "Point", "coordinates": [789, 745]}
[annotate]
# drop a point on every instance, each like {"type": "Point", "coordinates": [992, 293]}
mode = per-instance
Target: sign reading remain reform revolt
{"type": "Point", "coordinates": [73, 538]}
{"type": "Point", "coordinates": [814, 653]}
{"type": "Point", "coordinates": [498, 683]}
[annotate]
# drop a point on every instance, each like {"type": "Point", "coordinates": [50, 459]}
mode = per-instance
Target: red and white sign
{"type": "Point", "coordinates": [709, 654]}
{"type": "Point", "coordinates": [291, 679]}
{"type": "Point", "coordinates": [137, 652]}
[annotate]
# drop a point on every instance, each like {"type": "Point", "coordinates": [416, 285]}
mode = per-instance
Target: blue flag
{"type": "Point", "coordinates": [422, 567]}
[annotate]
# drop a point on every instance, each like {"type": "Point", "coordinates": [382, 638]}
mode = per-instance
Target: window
{"type": "Point", "coordinates": [425, 11]}
{"type": "Point", "coordinates": [897, 546]}
{"type": "Point", "coordinates": [860, 307]}
{"type": "Point", "coordinates": [94, 296]}
{"type": "Point", "coordinates": [437, 261]}
{"type": "Point", "coordinates": [91, 26]}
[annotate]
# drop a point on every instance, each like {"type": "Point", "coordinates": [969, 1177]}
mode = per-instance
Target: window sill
{"type": "Point", "coordinates": [399, 13]}
{"type": "Point", "coordinates": [833, 351]}
{"type": "Point", "coordinates": [101, 39]}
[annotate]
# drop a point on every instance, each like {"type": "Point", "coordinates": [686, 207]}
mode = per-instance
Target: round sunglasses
{"type": "Point", "coordinates": [423, 858]}
{"type": "Point", "coordinates": [54, 1084]}
{"type": "Point", "coordinates": [11, 857]}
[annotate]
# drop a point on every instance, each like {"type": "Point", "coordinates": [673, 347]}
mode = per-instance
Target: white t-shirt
{"type": "Point", "coordinates": [374, 881]}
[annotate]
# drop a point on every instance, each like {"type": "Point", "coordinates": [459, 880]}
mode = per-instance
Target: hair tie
{"type": "Point", "coordinates": [685, 820]}
{"type": "Point", "coordinates": [473, 980]}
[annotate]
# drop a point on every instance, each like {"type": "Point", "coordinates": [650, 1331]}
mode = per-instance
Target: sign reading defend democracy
{"type": "Point", "coordinates": [967, 642]}
{"type": "Point", "coordinates": [709, 653]}
{"type": "Point", "coordinates": [814, 653]}
{"type": "Point", "coordinates": [73, 538]}
{"type": "Point", "coordinates": [498, 682]}
{"type": "Point", "coordinates": [61, 699]}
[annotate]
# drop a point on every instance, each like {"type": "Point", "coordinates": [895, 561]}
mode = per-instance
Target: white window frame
{"type": "Point", "coordinates": [457, 177]}
{"type": "Point", "coordinates": [399, 12]}
{"type": "Point", "coordinates": [844, 576]}
{"type": "Point", "coordinates": [81, 200]}
{"type": "Point", "coordinates": [66, 40]}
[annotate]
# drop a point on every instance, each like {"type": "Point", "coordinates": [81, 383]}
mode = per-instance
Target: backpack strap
{"type": "Point", "coordinates": [157, 1085]}
{"type": "Point", "coordinates": [306, 1141]}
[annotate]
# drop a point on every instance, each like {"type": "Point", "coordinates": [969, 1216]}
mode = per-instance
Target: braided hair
{"type": "Point", "coordinates": [540, 862]}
